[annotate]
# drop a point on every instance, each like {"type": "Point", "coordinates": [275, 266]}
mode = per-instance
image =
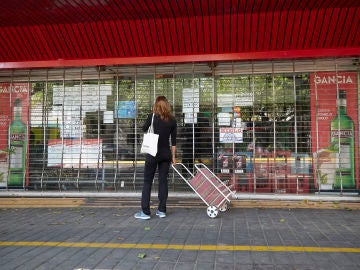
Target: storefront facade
{"type": "Point", "coordinates": [287, 123]}
{"type": "Point", "coordinates": [268, 126]}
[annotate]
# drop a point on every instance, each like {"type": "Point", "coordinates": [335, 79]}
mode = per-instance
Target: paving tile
{"type": "Point", "coordinates": [301, 258]}
{"type": "Point", "coordinates": [264, 266]}
{"type": "Point", "coordinates": [170, 255]}
{"type": "Point", "coordinates": [241, 266]}
{"type": "Point", "coordinates": [144, 265]}
{"type": "Point", "coordinates": [282, 258]}
{"type": "Point", "coordinates": [184, 266]}
{"type": "Point", "coordinates": [204, 266]}
{"type": "Point", "coordinates": [224, 266]}
{"type": "Point", "coordinates": [112, 259]}
{"type": "Point", "coordinates": [243, 258]}
{"type": "Point", "coordinates": [126, 265]}
{"type": "Point", "coordinates": [284, 267]}
{"type": "Point", "coordinates": [166, 266]}
{"type": "Point", "coordinates": [345, 259]}
{"type": "Point", "coordinates": [262, 258]}
{"type": "Point", "coordinates": [97, 258]}
{"type": "Point", "coordinates": [206, 256]}
{"type": "Point", "coordinates": [349, 267]}
{"type": "Point", "coordinates": [224, 257]}
{"type": "Point", "coordinates": [188, 256]}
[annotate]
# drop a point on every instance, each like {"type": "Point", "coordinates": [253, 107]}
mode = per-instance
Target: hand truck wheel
{"type": "Point", "coordinates": [224, 207]}
{"type": "Point", "coordinates": [212, 211]}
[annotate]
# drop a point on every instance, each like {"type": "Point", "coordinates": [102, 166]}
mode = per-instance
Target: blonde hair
{"type": "Point", "coordinates": [162, 108]}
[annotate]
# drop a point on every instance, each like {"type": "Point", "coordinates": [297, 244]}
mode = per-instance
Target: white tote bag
{"type": "Point", "coordinates": [150, 141]}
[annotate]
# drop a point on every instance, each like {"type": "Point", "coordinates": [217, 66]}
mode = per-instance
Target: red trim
{"type": "Point", "coordinates": [270, 55]}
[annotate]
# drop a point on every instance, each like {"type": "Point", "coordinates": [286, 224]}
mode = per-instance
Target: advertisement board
{"type": "Point", "coordinates": [334, 129]}
{"type": "Point", "coordinates": [14, 121]}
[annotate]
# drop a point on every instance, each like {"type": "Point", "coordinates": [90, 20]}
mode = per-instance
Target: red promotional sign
{"type": "Point", "coordinates": [334, 128]}
{"type": "Point", "coordinates": [14, 122]}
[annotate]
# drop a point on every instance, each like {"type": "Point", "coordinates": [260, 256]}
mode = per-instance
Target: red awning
{"type": "Point", "coordinates": [140, 31]}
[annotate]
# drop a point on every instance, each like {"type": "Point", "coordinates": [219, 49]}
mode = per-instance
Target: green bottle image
{"type": "Point", "coordinates": [17, 146]}
{"type": "Point", "coordinates": [342, 143]}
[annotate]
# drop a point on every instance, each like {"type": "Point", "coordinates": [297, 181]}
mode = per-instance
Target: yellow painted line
{"type": "Point", "coordinates": [181, 247]}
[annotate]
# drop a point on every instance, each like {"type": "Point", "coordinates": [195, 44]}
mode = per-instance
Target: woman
{"type": "Point", "coordinates": [164, 125]}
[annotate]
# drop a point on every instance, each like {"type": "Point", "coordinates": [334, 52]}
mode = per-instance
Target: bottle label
{"type": "Point", "coordinates": [17, 137]}
{"type": "Point", "coordinates": [345, 157]}
{"type": "Point", "coordinates": [343, 133]}
{"type": "Point", "coordinates": [16, 158]}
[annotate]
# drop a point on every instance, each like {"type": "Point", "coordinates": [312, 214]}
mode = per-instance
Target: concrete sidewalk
{"type": "Point", "coordinates": [88, 234]}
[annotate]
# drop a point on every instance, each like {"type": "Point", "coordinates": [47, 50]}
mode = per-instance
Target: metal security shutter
{"type": "Point", "coordinates": [91, 119]}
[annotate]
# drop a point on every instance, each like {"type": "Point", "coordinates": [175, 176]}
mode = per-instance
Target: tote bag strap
{"type": "Point", "coordinates": [151, 128]}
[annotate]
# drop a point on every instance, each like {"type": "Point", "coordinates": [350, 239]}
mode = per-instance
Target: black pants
{"type": "Point", "coordinates": [151, 164]}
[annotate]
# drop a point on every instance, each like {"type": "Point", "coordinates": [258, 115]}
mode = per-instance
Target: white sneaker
{"type": "Point", "coordinates": [141, 215]}
{"type": "Point", "coordinates": [160, 214]}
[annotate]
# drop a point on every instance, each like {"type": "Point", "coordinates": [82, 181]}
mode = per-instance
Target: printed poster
{"type": "Point", "coordinates": [14, 122]}
{"type": "Point", "coordinates": [231, 135]}
{"type": "Point", "coordinates": [71, 153]}
{"type": "Point", "coordinates": [125, 109]}
{"type": "Point", "coordinates": [190, 105]}
{"type": "Point", "coordinates": [334, 129]}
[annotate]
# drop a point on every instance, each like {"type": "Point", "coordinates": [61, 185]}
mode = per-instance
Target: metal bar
{"type": "Point", "coordinates": [62, 137]}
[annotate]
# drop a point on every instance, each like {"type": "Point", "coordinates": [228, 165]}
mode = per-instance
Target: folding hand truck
{"type": "Point", "coordinates": [212, 191]}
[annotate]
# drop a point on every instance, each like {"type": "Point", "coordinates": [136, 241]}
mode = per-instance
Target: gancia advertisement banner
{"type": "Point", "coordinates": [334, 129]}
